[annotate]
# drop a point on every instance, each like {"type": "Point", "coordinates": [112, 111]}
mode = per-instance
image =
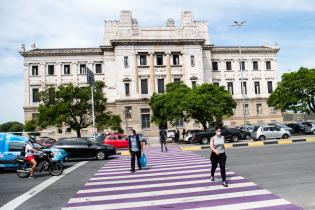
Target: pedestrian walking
{"type": "Point", "coordinates": [135, 149]}
{"type": "Point", "coordinates": [176, 135]}
{"type": "Point", "coordinates": [184, 133]}
{"type": "Point", "coordinates": [218, 155]}
{"type": "Point", "coordinates": [163, 137]}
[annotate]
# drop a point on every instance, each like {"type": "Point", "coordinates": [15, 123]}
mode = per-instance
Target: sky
{"type": "Point", "coordinates": [79, 23]}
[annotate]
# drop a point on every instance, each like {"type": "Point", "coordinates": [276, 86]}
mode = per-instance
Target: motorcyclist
{"type": "Point", "coordinates": [30, 154]}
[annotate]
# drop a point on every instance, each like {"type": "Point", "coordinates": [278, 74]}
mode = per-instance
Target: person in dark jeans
{"type": "Point", "coordinates": [163, 136]}
{"type": "Point", "coordinates": [218, 155]}
{"type": "Point", "coordinates": [135, 149]}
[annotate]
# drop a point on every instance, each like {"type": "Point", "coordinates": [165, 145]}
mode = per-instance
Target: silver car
{"type": "Point", "coordinates": [270, 132]}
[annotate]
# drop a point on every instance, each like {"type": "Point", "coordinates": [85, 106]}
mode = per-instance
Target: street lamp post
{"type": "Point", "coordinates": [238, 24]}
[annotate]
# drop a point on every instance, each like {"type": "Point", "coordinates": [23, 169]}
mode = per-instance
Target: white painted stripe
{"type": "Point", "coordinates": [248, 205]}
{"type": "Point", "coordinates": [35, 190]}
{"type": "Point", "coordinates": [205, 174]}
{"type": "Point", "coordinates": [199, 181]}
{"type": "Point", "coordinates": [151, 169]}
{"type": "Point", "coordinates": [159, 160]}
{"type": "Point", "coordinates": [151, 165]}
{"type": "Point", "coordinates": [173, 200]}
{"type": "Point", "coordinates": [161, 192]}
{"type": "Point", "coordinates": [144, 175]}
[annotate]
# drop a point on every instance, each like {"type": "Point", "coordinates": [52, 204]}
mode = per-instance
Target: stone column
{"type": "Point", "coordinates": [152, 77]}
{"type": "Point", "coordinates": [26, 85]}
{"type": "Point", "coordinates": [136, 74]}
{"type": "Point", "coordinates": [42, 72]}
{"type": "Point", "coordinates": [168, 68]}
{"type": "Point", "coordinates": [74, 72]}
{"type": "Point", "coordinates": [58, 73]}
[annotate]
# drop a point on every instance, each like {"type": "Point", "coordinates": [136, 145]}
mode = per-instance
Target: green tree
{"type": "Point", "coordinates": [31, 126]}
{"type": "Point", "coordinates": [11, 127]}
{"type": "Point", "coordinates": [70, 106]}
{"type": "Point", "coordinates": [208, 104]}
{"type": "Point", "coordinates": [295, 92]}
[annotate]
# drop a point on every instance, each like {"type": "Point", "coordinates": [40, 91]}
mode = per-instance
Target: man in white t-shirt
{"type": "Point", "coordinates": [30, 154]}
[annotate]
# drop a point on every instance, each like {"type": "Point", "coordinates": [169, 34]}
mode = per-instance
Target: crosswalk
{"type": "Point", "coordinates": [173, 180]}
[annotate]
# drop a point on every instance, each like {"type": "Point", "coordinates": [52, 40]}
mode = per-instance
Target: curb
{"type": "Point", "coordinates": [254, 144]}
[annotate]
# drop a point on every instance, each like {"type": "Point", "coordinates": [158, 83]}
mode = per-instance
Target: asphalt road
{"type": "Point", "coordinates": [285, 170]}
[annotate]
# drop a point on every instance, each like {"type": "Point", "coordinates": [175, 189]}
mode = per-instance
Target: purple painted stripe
{"type": "Point", "coordinates": [162, 158]}
{"type": "Point", "coordinates": [162, 197]}
{"type": "Point", "coordinates": [163, 161]}
{"type": "Point", "coordinates": [279, 207]}
{"type": "Point", "coordinates": [209, 203]}
{"type": "Point", "coordinates": [149, 189]}
{"type": "Point", "coordinates": [147, 171]}
{"type": "Point", "coordinates": [156, 176]}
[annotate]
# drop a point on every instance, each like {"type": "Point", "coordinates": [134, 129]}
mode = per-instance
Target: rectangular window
{"type": "Point", "coordinates": [259, 108]}
{"type": "Point", "coordinates": [143, 60]}
{"type": "Point", "coordinates": [160, 85]}
{"type": "Point", "coordinates": [35, 95]}
{"type": "Point", "coordinates": [51, 69]}
{"type": "Point", "coordinates": [243, 65]}
{"type": "Point", "coordinates": [127, 89]}
{"type": "Point", "coordinates": [145, 118]}
{"type": "Point", "coordinates": [244, 87]}
{"type": "Point", "coordinates": [268, 65]}
{"type": "Point", "coordinates": [82, 68]}
{"type": "Point", "coordinates": [228, 65]}
{"type": "Point", "coordinates": [192, 60]}
{"type": "Point", "coordinates": [175, 59]}
{"type": "Point", "coordinates": [126, 64]}
{"type": "Point", "coordinates": [159, 60]}
{"type": "Point", "coordinates": [98, 68]}
{"type": "Point", "coordinates": [230, 87]}
{"type": "Point", "coordinates": [144, 86]}
{"type": "Point", "coordinates": [177, 80]}
{"type": "Point", "coordinates": [193, 84]}
{"type": "Point", "coordinates": [179, 123]}
{"type": "Point", "coordinates": [34, 70]}
{"type": "Point", "coordinates": [246, 109]}
{"type": "Point", "coordinates": [16, 146]}
{"type": "Point", "coordinates": [269, 84]}
{"type": "Point", "coordinates": [128, 112]}
{"type": "Point", "coordinates": [215, 66]}
{"type": "Point", "coordinates": [257, 87]}
{"type": "Point", "coordinates": [255, 65]}
{"type": "Point", "coordinates": [66, 69]}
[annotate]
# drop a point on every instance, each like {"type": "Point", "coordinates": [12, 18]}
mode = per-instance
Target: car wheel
{"type": "Point", "coordinates": [204, 140]}
{"type": "Point", "coordinates": [100, 155]}
{"type": "Point", "coordinates": [247, 137]}
{"type": "Point", "coordinates": [235, 138]}
{"type": "Point", "coordinates": [314, 132]}
{"type": "Point", "coordinates": [262, 138]}
{"type": "Point", "coordinates": [285, 136]}
{"type": "Point", "coordinates": [190, 140]}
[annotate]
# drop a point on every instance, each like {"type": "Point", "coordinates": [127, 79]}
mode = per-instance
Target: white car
{"type": "Point", "coordinates": [270, 132]}
{"type": "Point", "coordinates": [171, 134]}
{"type": "Point", "coordinates": [189, 136]}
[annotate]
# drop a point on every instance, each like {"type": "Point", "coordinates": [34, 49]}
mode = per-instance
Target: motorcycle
{"type": "Point", "coordinates": [44, 163]}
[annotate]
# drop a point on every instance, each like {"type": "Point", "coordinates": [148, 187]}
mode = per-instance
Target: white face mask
{"type": "Point", "coordinates": [218, 133]}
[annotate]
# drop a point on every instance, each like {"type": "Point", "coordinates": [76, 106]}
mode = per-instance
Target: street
{"type": "Point", "coordinates": [285, 170]}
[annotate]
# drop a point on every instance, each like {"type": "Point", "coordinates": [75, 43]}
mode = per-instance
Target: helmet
{"type": "Point", "coordinates": [32, 139]}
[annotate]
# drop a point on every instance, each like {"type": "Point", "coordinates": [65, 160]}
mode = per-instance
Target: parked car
{"type": "Point", "coordinates": [171, 134]}
{"type": "Point", "coordinates": [117, 140]}
{"type": "Point", "coordinates": [297, 128]}
{"type": "Point", "coordinates": [309, 127]}
{"type": "Point", "coordinates": [83, 148]}
{"type": "Point", "coordinates": [190, 135]}
{"type": "Point", "coordinates": [46, 141]}
{"type": "Point", "coordinates": [230, 134]}
{"type": "Point", "coordinates": [12, 146]}
{"type": "Point", "coordinates": [248, 128]}
{"type": "Point", "coordinates": [270, 132]}
{"type": "Point", "coordinates": [283, 126]}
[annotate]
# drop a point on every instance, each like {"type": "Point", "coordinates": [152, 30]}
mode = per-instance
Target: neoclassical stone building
{"type": "Point", "coordinates": [134, 62]}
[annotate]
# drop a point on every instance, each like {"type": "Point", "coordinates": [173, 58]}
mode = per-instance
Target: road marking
{"type": "Point", "coordinates": [285, 141]}
{"type": "Point", "coordinates": [256, 144]}
{"type": "Point", "coordinates": [35, 190]}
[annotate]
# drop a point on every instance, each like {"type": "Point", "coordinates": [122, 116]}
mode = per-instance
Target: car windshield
{"type": "Point", "coordinates": [256, 128]}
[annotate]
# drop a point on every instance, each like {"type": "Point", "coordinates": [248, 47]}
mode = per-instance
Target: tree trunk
{"type": "Point", "coordinates": [78, 133]}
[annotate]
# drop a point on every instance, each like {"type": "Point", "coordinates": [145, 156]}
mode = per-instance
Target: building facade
{"type": "Point", "coordinates": [134, 62]}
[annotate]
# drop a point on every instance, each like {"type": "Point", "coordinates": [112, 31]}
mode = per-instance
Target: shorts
{"type": "Point", "coordinates": [30, 158]}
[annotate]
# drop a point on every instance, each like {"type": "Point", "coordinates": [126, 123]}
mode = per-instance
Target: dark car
{"type": "Point", "coordinates": [298, 128]}
{"type": "Point", "coordinates": [83, 148]}
{"type": "Point", "coordinates": [230, 134]}
{"type": "Point", "coordinates": [46, 141]}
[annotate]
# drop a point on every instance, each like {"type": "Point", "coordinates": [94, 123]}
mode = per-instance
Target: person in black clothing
{"type": "Point", "coordinates": [163, 136]}
{"type": "Point", "coordinates": [135, 149]}
{"type": "Point", "coordinates": [184, 132]}
{"type": "Point", "coordinates": [177, 136]}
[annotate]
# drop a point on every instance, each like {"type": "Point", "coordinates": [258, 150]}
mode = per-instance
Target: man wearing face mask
{"type": "Point", "coordinates": [218, 155]}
